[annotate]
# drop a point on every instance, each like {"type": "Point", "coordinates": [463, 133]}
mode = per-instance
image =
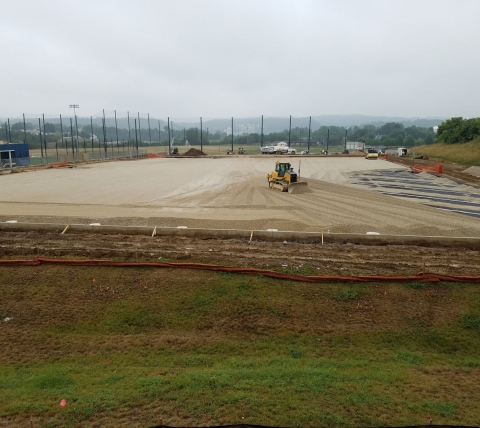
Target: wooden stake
{"type": "Point", "coordinates": [66, 228]}
{"type": "Point", "coordinates": [322, 238]}
{"type": "Point", "coordinates": [154, 231]}
{"type": "Point", "coordinates": [251, 236]}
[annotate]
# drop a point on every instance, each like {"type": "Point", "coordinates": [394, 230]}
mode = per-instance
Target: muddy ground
{"type": "Point", "coordinates": [340, 259]}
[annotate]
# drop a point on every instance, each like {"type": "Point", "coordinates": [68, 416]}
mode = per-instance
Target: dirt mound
{"type": "Point", "coordinates": [473, 170]}
{"type": "Point", "coordinates": [194, 152]}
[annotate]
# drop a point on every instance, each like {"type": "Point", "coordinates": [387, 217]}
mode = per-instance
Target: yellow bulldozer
{"type": "Point", "coordinates": [284, 178]}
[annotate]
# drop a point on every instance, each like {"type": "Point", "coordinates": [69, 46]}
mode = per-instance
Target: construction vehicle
{"type": "Point", "coordinates": [284, 178]}
{"type": "Point", "coordinates": [174, 151]}
{"type": "Point", "coordinates": [371, 153]}
{"type": "Point", "coordinates": [241, 151]}
{"type": "Point", "coordinates": [280, 148]}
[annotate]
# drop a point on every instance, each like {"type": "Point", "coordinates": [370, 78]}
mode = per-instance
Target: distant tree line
{"type": "Point", "coordinates": [458, 130]}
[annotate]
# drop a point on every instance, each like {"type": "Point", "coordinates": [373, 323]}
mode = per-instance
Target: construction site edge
{"type": "Point", "coordinates": [264, 235]}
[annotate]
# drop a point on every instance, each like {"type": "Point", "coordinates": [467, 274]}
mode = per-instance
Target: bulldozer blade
{"type": "Point", "coordinates": [300, 187]}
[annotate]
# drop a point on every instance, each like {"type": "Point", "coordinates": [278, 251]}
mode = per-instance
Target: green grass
{"type": "Point", "coordinates": [464, 154]}
{"type": "Point", "coordinates": [141, 346]}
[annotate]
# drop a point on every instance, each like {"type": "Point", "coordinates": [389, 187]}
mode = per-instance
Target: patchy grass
{"type": "Point", "coordinates": [139, 347]}
{"type": "Point", "coordinates": [464, 154]}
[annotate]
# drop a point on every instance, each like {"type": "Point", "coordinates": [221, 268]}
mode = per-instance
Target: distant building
{"type": "Point", "coordinates": [435, 128]}
{"type": "Point", "coordinates": [16, 154]}
{"type": "Point", "coordinates": [355, 145]}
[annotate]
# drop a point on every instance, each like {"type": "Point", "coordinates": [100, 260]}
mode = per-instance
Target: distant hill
{"type": "Point", "coordinates": [359, 120]}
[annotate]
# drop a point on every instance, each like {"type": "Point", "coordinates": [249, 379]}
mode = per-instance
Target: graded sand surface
{"type": "Point", "coordinates": [223, 193]}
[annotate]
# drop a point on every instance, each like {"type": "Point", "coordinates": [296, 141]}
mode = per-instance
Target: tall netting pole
{"type": "Point", "coordinates": [9, 132]}
{"type": "Point", "coordinates": [116, 132]}
{"type": "Point", "coordinates": [232, 134]}
{"type": "Point", "coordinates": [71, 136]}
{"type": "Point", "coordinates": [289, 130]}
{"type": "Point", "coordinates": [24, 129]}
{"type": "Point", "coordinates": [136, 138]}
{"type": "Point", "coordinates": [40, 137]}
{"type": "Point", "coordinates": [309, 131]}
{"type": "Point", "coordinates": [104, 135]}
{"type": "Point", "coordinates": [129, 137]}
{"type": "Point", "coordinates": [169, 148]}
{"type": "Point", "coordinates": [261, 137]}
{"type": "Point", "coordinates": [139, 131]}
{"type": "Point", "coordinates": [91, 128]}
{"type": "Point", "coordinates": [149, 133]}
{"type": "Point", "coordinates": [45, 138]}
{"type": "Point", "coordinates": [61, 131]}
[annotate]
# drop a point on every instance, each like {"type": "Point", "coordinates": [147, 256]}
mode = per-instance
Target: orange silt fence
{"type": "Point", "coordinates": [423, 168]}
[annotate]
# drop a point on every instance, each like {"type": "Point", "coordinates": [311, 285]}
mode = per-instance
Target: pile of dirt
{"type": "Point", "coordinates": [194, 152]}
{"type": "Point", "coordinates": [473, 170]}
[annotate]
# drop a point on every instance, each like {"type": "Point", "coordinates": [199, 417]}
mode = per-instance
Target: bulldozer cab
{"type": "Point", "coordinates": [281, 168]}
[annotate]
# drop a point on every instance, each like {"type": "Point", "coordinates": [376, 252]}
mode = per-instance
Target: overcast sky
{"type": "Point", "coordinates": [241, 58]}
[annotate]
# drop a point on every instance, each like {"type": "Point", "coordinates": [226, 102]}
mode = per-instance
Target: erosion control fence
{"type": "Point", "coordinates": [419, 277]}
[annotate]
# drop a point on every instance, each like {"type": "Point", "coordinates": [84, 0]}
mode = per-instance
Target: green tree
{"type": "Point", "coordinates": [458, 130]}
{"type": "Point", "coordinates": [392, 129]}
{"type": "Point", "coordinates": [409, 141]}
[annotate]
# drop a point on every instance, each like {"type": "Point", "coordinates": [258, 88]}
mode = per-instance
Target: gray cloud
{"type": "Point", "coordinates": [223, 58]}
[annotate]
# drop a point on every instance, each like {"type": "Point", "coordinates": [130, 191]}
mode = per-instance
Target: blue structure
{"type": "Point", "coordinates": [14, 155]}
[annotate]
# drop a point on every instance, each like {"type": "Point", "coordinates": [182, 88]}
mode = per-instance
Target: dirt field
{"type": "Point", "coordinates": [222, 193]}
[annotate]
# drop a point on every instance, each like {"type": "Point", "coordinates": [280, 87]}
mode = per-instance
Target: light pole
{"type": "Point", "coordinates": [74, 106]}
